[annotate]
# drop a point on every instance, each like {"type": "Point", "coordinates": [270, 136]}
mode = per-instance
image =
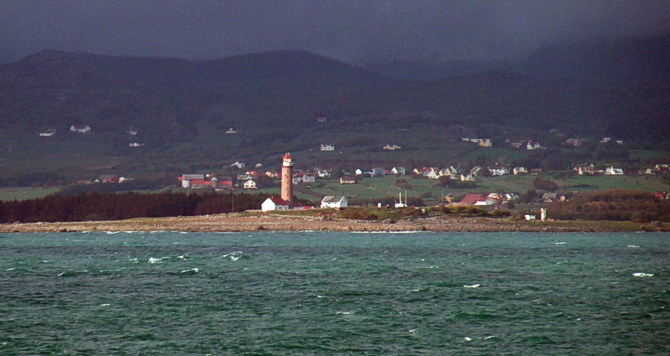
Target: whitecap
{"type": "Point", "coordinates": [194, 270]}
{"type": "Point", "coordinates": [181, 257]}
{"type": "Point", "coordinates": [467, 339]}
{"type": "Point", "coordinates": [633, 246]}
{"type": "Point", "coordinates": [416, 290]}
{"type": "Point", "coordinates": [561, 243]}
{"type": "Point", "coordinates": [471, 286]}
{"type": "Point", "coordinates": [111, 232]}
{"type": "Point", "coordinates": [643, 275]}
{"type": "Point", "coordinates": [234, 256]}
{"type": "Point", "coordinates": [10, 269]}
{"type": "Point", "coordinates": [105, 305]}
{"type": "Point", "coordinates": [344, 313]}
{"type": "Point", "coordinates": [129, 232]}
{"type": "Point", "coordinates": [320, 296]}
{"type": "Point", "coordinates": [411, 331]}
{"type": "Point", "coordinates": [153, 260]}
{"type": "Point", "coordinates": [133, 260]}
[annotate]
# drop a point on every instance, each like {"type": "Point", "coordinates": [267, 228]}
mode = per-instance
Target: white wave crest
{"type": "Point", "coordinates": [234, 256]}
{"type": "Point", "coordinates": [643, 275]}
{"type": "Point", "coordinates": [471, 286]}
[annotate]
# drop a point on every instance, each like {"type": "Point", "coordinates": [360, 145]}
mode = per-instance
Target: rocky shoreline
{"type": "Point", "coordinates": [276, 222]}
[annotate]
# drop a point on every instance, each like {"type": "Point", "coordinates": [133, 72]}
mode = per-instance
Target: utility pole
{"type": "Point", "coordinates": [232, 200]}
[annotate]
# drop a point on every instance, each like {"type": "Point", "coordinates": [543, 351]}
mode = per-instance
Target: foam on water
{"type": "Point", "coordinates": [471, 286]}
{"type": "Point", "coordinates": [643, 275]}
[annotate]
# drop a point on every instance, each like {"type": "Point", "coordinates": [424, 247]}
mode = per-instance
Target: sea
{"type": "Point", "coordinates": [323, 293]}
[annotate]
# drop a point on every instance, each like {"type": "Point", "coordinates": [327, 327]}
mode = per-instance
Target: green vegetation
{"type": "Point", "coordinates": [637, 206]}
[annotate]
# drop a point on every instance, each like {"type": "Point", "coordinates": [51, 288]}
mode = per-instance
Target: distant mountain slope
{"type": "Point", "coordinates": [604, 61]}
{"type": "Point", "coordinates": [275, 95]}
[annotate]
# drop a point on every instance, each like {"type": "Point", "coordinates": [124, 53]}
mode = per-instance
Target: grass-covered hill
{"type": "Point", "coordinates": [181, 110]}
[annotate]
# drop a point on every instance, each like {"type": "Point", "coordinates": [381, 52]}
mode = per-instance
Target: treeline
{"type": "Point", "coordinates": [111, 206]}
{"type": "Point", "coordinates": [618, 204]}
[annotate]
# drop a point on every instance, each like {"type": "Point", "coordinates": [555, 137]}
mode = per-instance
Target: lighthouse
{"type": "Point", "coordinates": [287, 179]}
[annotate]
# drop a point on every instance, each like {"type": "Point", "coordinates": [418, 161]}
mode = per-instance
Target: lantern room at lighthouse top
{"type": "Point", "coordinates": [288, 160]}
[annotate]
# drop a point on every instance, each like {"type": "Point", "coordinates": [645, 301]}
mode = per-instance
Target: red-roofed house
{"type": "Point", "coordinates": [473, 199]}
{"type": "Point", "coordinates": [274, 203]}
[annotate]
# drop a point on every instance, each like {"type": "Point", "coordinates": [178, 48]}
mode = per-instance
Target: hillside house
{"type": "Point", "coordinates": [274, 203]}
{"type": "Point", "coordinates": [231, 131]}
{"type": "Point", "coordinates": [333, 202]}
{"type": "Point", "coordinates": [106, 178]}
{"type": "Point", "coordinates": [612, 171]}
{"type": "Point", "coordinates": [473, 199]}
{"type": "Point", "coordinates": [135, 144]}
{"type": "Point", "coordinates": [575, 142]}
{"type": "Point", "coordinates": [272, 174]}
{"type": "Point", "coordinates": [516, 144]}
{"type": "Point", "coordinates": [398, 171]}
{"type": "Point", "coordinates": [377, 172]}
{"type": "Point", "coordinates": [359, 172]}
{"type": "Point", "coordinates": [321, 119]}
{"type": "Point", "coordinates": [389, 147]}
{"type": "Point", "coordinates": [485, 142]}
{"type": "Point", "coordinates": [497, 171]}
{"type": "Point", "coordinates": [517, 171]}
{"type": "Point", "coordinates": [80, 129]}
{"type": "Point", "coordinates": [192, 181]}
{"type": "Point", "coordinates": [322, 173]}
{"type": "Point", "coordinates": [327, 147]}
{"type": "Point", "coordinates": [250, 184]}
{"type": "Point", "coordinates": [308, 178]}
{"type": "Point", "coordinates": [585, 169]}
{"type": "Point", "coordinates": [468, 177]}
{"type": "Point", "coordinates": [47, 133]}
{"type": "Point", "coordinates": [132, 132]}
{"type": "Point", "coordinates": [347, 180]}
{"type": "Point", "coordinates": [533, 145]}
{"type": "Point", "coordinates": [238, 164]}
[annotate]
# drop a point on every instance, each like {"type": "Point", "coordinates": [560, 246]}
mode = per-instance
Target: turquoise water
{"type": "Point", "coordinates": [334, 293]}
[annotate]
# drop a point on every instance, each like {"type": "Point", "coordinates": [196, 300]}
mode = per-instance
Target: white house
{"type": "Point", "coordinates": [519, 171]}
{"type": "Point", "coordinates": [327, 147]}
{"type": "Point", "coordinates": [48, 133]}
{"type": "Point", "coordinates": [611, 171]}
{"type": "Point", "coordinates": [250, 184]}
{"type": "Point", "coordinates": [498, 171]}
{"type": "Point", "coordinates": [393, 147]}
{"type": "Point", "coordinates": [322, 173]}
{"type": "Point", "coordinates": [80, 128]}
{"type": "Point", "coordinates": [398, 171]}
{"type": "Point", "coordinates": [274, 203]}
{"type": "Point", "coordinates": [231, 131]}
{"type": "Point", "coordinates": [331, 201]}
{"type": "Point", "coordinates": [238, 164]}
{"type": "Point", "coordinates": [308, 178]}
{"type": "Point", "coordinates": [532, 145]}
{"type": "Point", "coordinates": [359, 172]}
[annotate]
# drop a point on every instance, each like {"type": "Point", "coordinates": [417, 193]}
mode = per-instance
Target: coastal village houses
{"type": "Point", "coordinates": [330, 201]}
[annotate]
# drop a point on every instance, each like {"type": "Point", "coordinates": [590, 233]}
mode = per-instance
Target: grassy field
{"type": "Point", "coordinates": [8, 194]}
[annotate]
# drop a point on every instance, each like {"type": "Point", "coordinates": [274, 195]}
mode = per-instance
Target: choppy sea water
{"type": "Point", "coordinates": [334, 293]}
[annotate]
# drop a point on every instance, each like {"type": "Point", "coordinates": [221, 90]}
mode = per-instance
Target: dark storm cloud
{"type": "Point", "coordinates": [347, 30]}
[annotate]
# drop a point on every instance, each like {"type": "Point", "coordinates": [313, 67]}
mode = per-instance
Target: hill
{"type": "Point", "coordinates": [181, 110]}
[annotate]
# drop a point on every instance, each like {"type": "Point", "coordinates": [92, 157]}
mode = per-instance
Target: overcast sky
{"type": "Point", "coordinates": [352, 31]}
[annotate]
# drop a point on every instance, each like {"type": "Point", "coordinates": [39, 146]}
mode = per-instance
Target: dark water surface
{"type": "Point", "coordinates": [335, 293]}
